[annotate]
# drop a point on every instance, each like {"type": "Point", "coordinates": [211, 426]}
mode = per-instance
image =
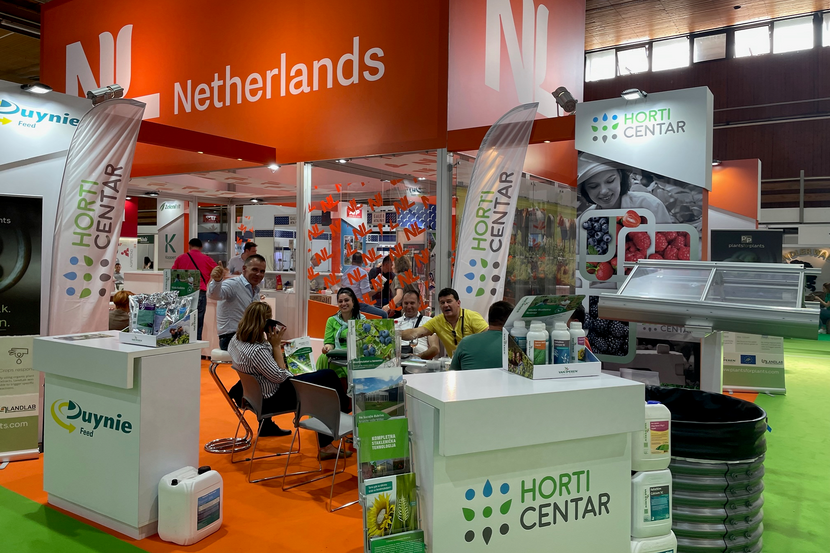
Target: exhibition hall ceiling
{"type": "Point", "coordinates": [607, 23]}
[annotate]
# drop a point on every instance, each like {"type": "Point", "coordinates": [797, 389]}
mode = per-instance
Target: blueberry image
{"type": "Point", "coordinates": [367, 327]}
{"type": "Point", "coordinates": [604, 227]}
{"type": "Point", "coordinates": [592, 241]}
{"type": "Point", "coordinates": [372, 350]}
{"type": "Point", "coordinates": [606, 238]}
{"type": "Point", "coordinates": [597, 226]}
{"type": "Point", "coordinates": [587, 225]}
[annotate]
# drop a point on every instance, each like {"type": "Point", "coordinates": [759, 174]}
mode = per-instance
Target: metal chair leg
{"type": "Point", "coordinates": [228, 445]}
{"type": "Point", "coordinates": [253, 456]}
{"type": "Point", "coordinates": [333, 476]}
{"type": "Point", "coordinates": [288, 460]}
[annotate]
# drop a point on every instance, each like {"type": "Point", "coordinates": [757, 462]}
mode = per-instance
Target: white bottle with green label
{"type": "Point", "coordinates": [651, 446]}
{"type": "Point", "coordinates": [537, 343]}
{"type": "Point", "coordinates": [519, 333]}
{"type": "Point", "coordinates": [661, 544]}
{"type": "Point", "coordinates": [651, 503]}
{"type": "Point", "coordinates": [577, 342]}
{"type": "Point", "coordinates": [560, 343]}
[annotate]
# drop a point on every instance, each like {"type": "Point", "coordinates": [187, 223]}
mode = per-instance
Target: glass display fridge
{"type": "Point", "coordinates": [708, 298]}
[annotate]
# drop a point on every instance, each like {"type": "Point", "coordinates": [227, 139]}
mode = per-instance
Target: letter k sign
{"type": "Point", "coordinates": [168, 243]}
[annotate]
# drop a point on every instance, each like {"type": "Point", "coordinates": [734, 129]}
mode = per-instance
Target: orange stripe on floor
{"type": "Point", "coordinates": [261, 515]}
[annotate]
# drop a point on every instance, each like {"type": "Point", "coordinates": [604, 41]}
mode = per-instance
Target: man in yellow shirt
{"type": "Point", "coordinates": [451, 325]}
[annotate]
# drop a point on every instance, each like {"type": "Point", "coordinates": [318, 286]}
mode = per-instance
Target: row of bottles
{"type": "Point", "coordinates": [558, 347]}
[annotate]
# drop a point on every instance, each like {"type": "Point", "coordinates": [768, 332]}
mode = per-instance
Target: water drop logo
{"type": "Point", "coordinates": [604, 127]}
{"type": "Point", "coordinates": [471, 515]}
{"type": "Point", "coordinates": [85, 279]}
{"type": "Point", "coordinates": [478, 278]}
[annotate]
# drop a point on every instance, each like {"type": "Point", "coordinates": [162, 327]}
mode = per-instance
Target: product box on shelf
{"type": "Point", "coordinates": [515, 360]}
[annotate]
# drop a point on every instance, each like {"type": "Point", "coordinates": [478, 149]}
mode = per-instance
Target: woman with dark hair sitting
{"type": "Point", "coordinates": [337, 328]}
{"type": "Point", "coordinates": [257, 351]}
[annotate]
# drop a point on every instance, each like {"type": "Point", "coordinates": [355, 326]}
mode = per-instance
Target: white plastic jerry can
{"type": "Point", "coordinates": [660, 544]}
{"type": "Point", "coordinates": [190, 505]}
{"type": "Point", "coordinates": [651, 447]}
{"type": "Point", "coordinates": [651, 503]}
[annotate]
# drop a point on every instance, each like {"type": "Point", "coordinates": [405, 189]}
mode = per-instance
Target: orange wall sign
{"type": "Point", "coordinates": [316, 80]}
{"type": "Point", "coordinates": [736, 186]}
{"type": "Point", "coordinates": [509, 52]}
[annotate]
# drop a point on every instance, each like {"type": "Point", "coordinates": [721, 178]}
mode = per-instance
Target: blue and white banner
{"type": "Point", "coordinates": [487, 223]}
{"type": "Point", "coordinates": [90, 210]}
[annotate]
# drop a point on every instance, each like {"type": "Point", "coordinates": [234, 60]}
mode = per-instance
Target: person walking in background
{"type": "Point", "coordinates": [195, 260]}
{"type": "Point", "coordinates": [118, 277]}
{"type": "Point", "coordinates": [236, 263]}
{"type": "Point", "coordinates": [403, 266]}
{"type": "Point", "coordinates": [383, 295]}
{"type": "Point", "coordinates": [148, 264]}
{"type": "Point", "coordinates": [483, 350]}
{"type": "Point", "coordinates": [824, 314]}
{"type": "Point", "coordinates": [452, 325]}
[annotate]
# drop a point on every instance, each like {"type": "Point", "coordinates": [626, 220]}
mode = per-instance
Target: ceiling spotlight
{"type": "Point", "coordinates": [257, 200]}
{"type": "Point", "coordinates": [565, 99]}
{"type": "Point", "coordinates": [342, 160]}
{"type": "Point", "coordinates": [634, 94]}
{"type": "Point", "coordinates": [422, 178]}
{"type": "Point", "coordinates": [152, 194]}
{"type": "Point", "coordinates": [715, 162]}
{"type": "Point", "coordinates": [199, 152]}
{"type": "Point", "coordinates": [110, 92]}
{"type": "Point", "coordinates": [37, 88]}
{"type": "Point", "coordinates": [129, 198]}
{"type": "Point", "coordinates": [239, 159]}
{"type": "Point", "coordinates": [385, 180]}
{"type": "Point", "coordinates": [273, 167]}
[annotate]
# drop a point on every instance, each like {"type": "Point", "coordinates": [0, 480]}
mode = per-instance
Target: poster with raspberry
{"type": "Point", "coordinates": [626, 214]}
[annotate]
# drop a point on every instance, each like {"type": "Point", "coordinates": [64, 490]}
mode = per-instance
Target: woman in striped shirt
{"type": "Point", "coordinates": [258, 353]}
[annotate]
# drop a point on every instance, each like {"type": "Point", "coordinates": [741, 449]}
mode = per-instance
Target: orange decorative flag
{"type": "Point", "coordinates": [337, 186]}
{"type": "Point", "coordinates": [315, 231]}
{"type": "Point", "coordinates": [322, 255]}
{"type": "Point", "coordinates": [328, 204]}
{"type": "Point", "coordinates": [312, 274]}
{"type": "Point", "coordinates": [350, 251]}
{"type": "Point", "coordinates": [371, 256]}
{"type": "Point", "coordinates": [355, 279]}
{"type": "Point", "coordinates": [403, 205]}
{"type": "Point", "coordinates": [397, 251]}
{"type": "Point", "coordinates": [425, 201]}
{"type": "Point", "coordinates": [377, 282]}
{"type": "Point", "coordinates": [362, 231]}
{"type": "Point", "coordinates": [330, 280]}
{"type": "Point", "coordinates": [335, 225]}
{"type": "Point", "coordinates": [422, 258]}
{"type": "Point", "coordinates": [413, 230]}
{"type": "Point", "coordinates": [408, 277]}
{"type": "Point", "coordinates": [367, 299]}
{"type": "Point", "coordinates": [377, 201]}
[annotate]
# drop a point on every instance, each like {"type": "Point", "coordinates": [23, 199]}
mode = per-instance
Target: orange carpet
{"type": "Point", "coordinates": [257, 516]}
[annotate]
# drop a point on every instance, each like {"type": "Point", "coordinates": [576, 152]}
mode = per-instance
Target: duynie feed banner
{"type": "Point", "coordinates": [487, 223]}
{"type": "Point", "coordinates": [91, 206]}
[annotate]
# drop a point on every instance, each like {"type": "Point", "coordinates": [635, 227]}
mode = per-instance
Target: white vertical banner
{"type": "Point", "coordinates": [171, 232]}
{"type": "Point", "coordinates": [487, 223]}
{"type": "Point", "coordinates": [90, 209]}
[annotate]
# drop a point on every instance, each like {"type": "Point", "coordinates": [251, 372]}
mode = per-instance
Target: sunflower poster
{"type": "Point", "coordinates": [391, 505]}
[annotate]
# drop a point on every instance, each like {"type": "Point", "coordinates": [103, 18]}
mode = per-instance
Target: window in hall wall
{"type": "Point", "coordinates": [752, 42]}
{"type": "Point", "coordinates": [600, 65]}
{"type": "Point", "coordinates": [670, 54]}
{"type": "Point", "coordinates": [631, 61]}
{"type": "Point", "coordinates": [825, 29]}
{"type": "Point", "coordinates": [790, 35]}
{"type": "Point", "coordinates": [711, 47]}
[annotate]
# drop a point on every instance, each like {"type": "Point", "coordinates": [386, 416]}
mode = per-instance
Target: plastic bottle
{"type": "Point", "coordinates": [537, 343]}
{"type": "Point", "coordinates": [560, 340]}
{"type": "Point", "coordinates": [651, 447]}
{"type": "Point", "coordinates": [577, 342]}
{"type": "Point", "coordinates": [190, 504]}
{"type": "Point", "coordinates": [651, 503]}
{"type": "Point", "coordinates": [519, 333]}
{"type": "Point", "coordinates": [661, 544]}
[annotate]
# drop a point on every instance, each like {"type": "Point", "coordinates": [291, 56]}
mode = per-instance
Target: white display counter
{"type": "Point", "coordinates": [117, 417]}
{"type": "Point", "coordinates": [509, 464]}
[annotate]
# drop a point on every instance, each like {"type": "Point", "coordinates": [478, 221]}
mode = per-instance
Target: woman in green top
{"type": "Point", "coordinates": [824, 314]}
{"type": "Point", "coordinates": [337, 328]}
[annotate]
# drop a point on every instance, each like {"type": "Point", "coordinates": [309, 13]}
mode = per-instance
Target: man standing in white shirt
{"type": "Point", "coordinates": [427, 346]}
{"type": "Point", "coordinates": [357, 278]}
{"type": "Point", "coordinates": [236, 263]}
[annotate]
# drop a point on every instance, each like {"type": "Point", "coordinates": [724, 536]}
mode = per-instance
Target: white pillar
{"type": "Point", "coordinates": [443, 220]}
{"type": "Point", "coordinates": [711, 363]}
{"type": "Point", "coordinates": [302, 263]}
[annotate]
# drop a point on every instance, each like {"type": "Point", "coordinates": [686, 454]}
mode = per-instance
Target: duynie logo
{"type": "Point", "coordinates": [29, 117]}
{"type": "Point", "coordinates": [528, 61]}
{"type": "Point", "coordinates": [68, 413]}
{"type": "Point", "coordinates": [115, 67]}
{"type": "Point", "coordinates": [605, 126]}
{"type": "Point", "coordinates": [478, 278]}
{"type": "Point", "coordinates": [81, 276]}
{"type": "Point", "coordinates": [168, 243]}
{"type": "Point", "coordinates": [487, 502]}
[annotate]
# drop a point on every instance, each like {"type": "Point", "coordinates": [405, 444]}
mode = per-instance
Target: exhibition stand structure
{"type": "Point", "coordinates": [503, 460]}
{"type": "Point", "coordinates": [118, 418]}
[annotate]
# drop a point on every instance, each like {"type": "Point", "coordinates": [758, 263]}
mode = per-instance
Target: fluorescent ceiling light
{"type": "Point", "coordinates": [634, 94]}
{"type": "Point", "coordinates": [37, 88]}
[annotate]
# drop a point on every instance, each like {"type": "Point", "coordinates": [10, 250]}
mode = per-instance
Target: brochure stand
{"type": "Point", "coordinates": [387, 484]}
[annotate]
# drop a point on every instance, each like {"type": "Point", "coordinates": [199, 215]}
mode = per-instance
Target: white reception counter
{"type": "Point", "coordinates": [513, 464]}
{"type": "Point", "coordinates": [117, 417]}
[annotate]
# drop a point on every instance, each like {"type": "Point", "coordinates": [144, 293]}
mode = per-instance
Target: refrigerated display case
{"type": "Point", "coordinates": [708, 298]}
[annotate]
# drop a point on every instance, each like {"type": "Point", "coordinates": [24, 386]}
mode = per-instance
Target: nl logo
{"type": "Point", "coordinates": [115, 56]}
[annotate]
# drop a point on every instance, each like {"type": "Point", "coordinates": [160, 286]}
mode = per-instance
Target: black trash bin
{"type": "Point", "coordinates": [718, 446]}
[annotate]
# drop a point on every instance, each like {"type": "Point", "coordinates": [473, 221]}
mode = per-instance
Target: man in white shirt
{"type": "Point", "coordinates": [357, 278]}
{"type": "Point", "coordinates": [236, 263]}
{"type": "Point", "coordinates": [427, 346]}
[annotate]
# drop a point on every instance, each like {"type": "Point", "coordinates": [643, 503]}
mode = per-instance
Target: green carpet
{"type": "Point", "coordinates": [797, 480]}
{"type": "Point", "coordinates": [26, 526]}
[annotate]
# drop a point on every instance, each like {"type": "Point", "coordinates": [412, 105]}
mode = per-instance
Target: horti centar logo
{"type": "Point", "coordinates": [550, 501]}
{"type": "Point", "coordinates": [67, 413]}
{"type": "Point", "coordinates": [636, 124]}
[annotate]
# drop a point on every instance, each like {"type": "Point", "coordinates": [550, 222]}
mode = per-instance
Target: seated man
{"type": "Point", "coordinates": [484, 350]}
{"type": "Point", "coordinates": [425, 348]}
{"type": "Point", "coordinates": [451, 325]}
